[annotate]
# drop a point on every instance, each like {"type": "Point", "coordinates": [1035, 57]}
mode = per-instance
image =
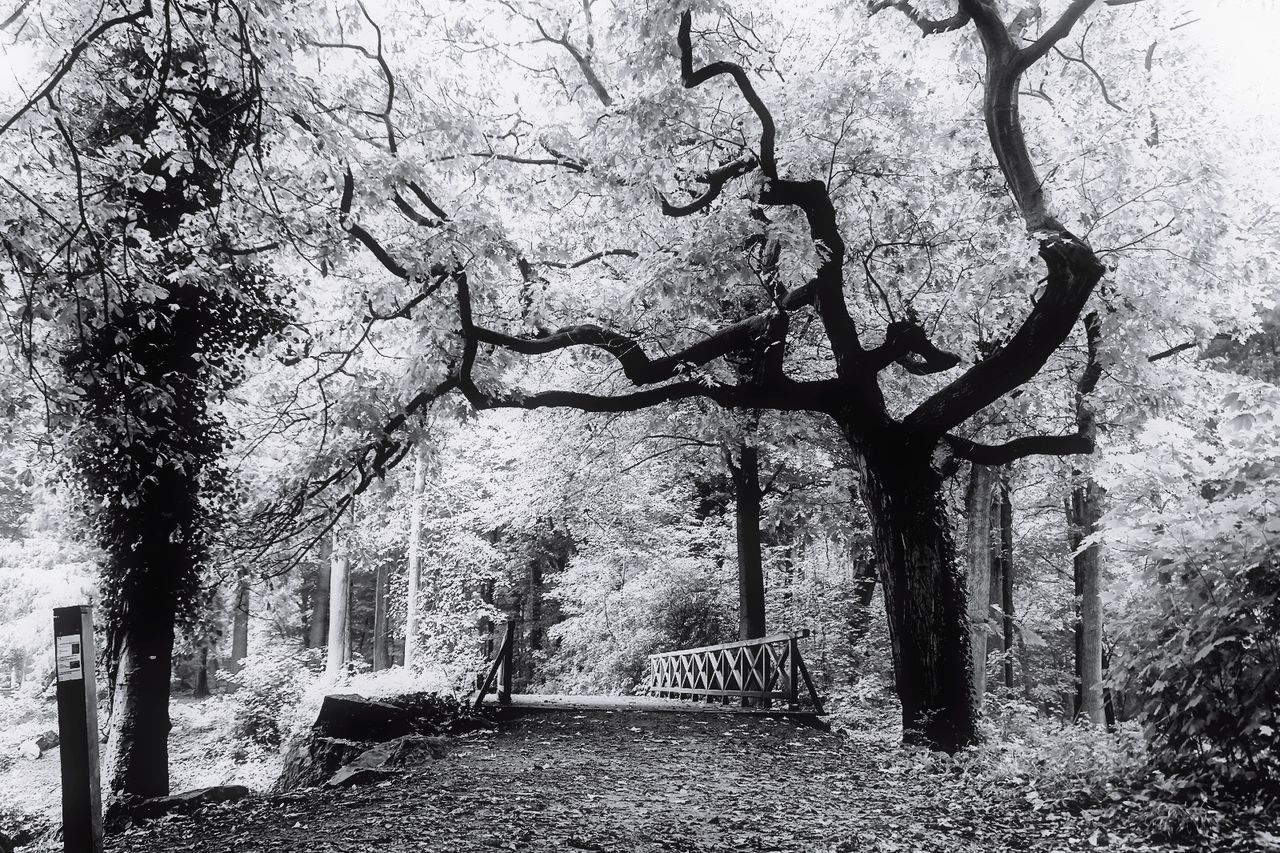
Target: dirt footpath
{"type": "Point", "coordinates": [638, 782]}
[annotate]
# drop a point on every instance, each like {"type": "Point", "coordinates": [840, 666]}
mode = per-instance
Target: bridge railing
{"type": "Point", "coordinates": [757, 672]}
{"type": "Point", "coordinates": [498, 678]}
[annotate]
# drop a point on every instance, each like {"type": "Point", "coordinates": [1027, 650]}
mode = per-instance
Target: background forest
{"type": "Point", "coordinates": [337, 334]}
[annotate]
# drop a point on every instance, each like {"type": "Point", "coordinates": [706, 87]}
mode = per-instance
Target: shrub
{"type": "Point", "coordinates": [269, 687]}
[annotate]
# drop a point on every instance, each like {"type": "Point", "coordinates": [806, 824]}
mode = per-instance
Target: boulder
{"type": "Point", "coordinates": [405, 751]}
{"type": "Point", "coordinates": [351, 775]}
{"type": "Point", "coordinates": [47, 741]}
{"type": "Point", "coordinates": [352, 717]}
{"type": "Point", "coordinates": [30, 750]}
{"type": "Point", "coordinates": [312, 759]}
{"type": "Point", "coordinates": [187, 801]}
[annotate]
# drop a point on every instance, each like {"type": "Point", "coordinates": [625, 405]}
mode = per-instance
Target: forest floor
{"type": "Point", "coordinates": [660, 782]}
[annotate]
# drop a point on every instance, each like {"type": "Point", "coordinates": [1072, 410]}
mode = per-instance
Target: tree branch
{"type": "Point", "coordinates": [717, 178]}
{"type": "Point", "coordinates": [1057, 31]}
{"type": "Point", "coordinates": [1081, 442]}
{"type": "Point", "coordinates": [691, 78]}
{"type": "Point", "coordinates": [906, 344]}
{"type": "Point", "coordinates": [928, 27]}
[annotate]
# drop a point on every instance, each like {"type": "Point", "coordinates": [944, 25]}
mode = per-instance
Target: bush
{"type": "Point", "coordinates": [269, 687]}
{"type": "Point", "coordinates": [1209, 676]}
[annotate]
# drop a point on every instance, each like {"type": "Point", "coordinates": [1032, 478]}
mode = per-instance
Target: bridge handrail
{"type": "Point", "coordinates": [801, 634]}
{"type": "Point", "coordinates": [500, 672]}
{"type": "Point", "coordinates": [761, 669]}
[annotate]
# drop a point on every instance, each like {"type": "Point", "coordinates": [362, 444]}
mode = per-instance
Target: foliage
{"type": "Point", "coordinates": [1202, 640]}
{"type": "Point", "coordinates": [268, 689]}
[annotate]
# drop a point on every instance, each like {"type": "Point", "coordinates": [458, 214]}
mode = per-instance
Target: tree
{"type": "Point", "coordinates": [901, 475]}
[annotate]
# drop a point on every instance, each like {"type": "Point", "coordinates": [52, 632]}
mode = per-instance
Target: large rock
{"type": "Point", "coordinates": [405, 751]}
{"type": "Point", "coordinates": [379, 761]}
{"type": "Point", "coordinates": [48, 740]}
{"type": "Point", "coordinates": [348, 776]}
{"type": "Point", "coordinates": [312, 759]}
{"type": "Point", "coordinates": [187, 801]}
{"type": "Point", "coordinates": [30, 750]}
{"type": "Point", "coordinates": [352, 717]}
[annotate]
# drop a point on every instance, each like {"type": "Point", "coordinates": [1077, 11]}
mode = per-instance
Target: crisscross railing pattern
{"type": "Point", "coordinates": [757, 672]}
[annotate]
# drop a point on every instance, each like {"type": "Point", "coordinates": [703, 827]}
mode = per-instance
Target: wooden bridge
{"type": "Point", "coordinates": [763, 677]}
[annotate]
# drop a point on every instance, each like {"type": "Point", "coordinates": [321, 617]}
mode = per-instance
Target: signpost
{"type": "Point", "coordinates": [78, 729]}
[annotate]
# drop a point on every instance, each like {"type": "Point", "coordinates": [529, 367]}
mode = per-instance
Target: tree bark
{"type": "Point", "coordinates": [414, 578]}
{"type": "Point", "coordinates": [339, 566]}
{"type": "Point", "coordinates": [240, 624]}
{"type": "Point", "coordinates": [1006, 577]}
{"type": "Point", "coordinates": [1085, 512]}
{"type": "Point", "coordinates": [318, 629]}
{"type": "Point", "coordinates": [924, 596]}
{"type": "Point", "coordinates": [136, 758]}
{"type": "Point", "coordinates": [978, 579]}
{"type": "Point", "coordinates": [747, 499]}
{"type": "Point", "coordinates": [380, 582]}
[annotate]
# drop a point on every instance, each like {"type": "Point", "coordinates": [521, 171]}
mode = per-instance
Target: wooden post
{"type": "Point", "coordinates": [507, 657]}
{"type": "Point", "coordinates": [792, 656]}
{"type": "Point", "coordinates": [78, 729]}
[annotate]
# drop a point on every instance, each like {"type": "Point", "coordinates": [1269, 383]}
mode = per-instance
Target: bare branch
{"type": "Point", "coordinates": [594, 256]}
{"type": "Point", "coordinates": [584, 64]}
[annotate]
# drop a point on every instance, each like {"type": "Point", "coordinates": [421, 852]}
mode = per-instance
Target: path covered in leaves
{"type": "Point", "coordinates": [643, 782]}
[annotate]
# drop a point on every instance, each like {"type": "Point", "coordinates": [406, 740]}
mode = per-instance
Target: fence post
{"type": "Point", "coordinates": [78, 729]}
{"type": "Point", "coordinates": [506, 655]}
{"type": "Point", "coordinates": [793, 655]}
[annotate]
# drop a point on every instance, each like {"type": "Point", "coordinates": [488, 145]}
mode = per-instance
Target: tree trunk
{"type": "Point", "coordinates": [339, 566]}
{"type": "Point", "coordinates": [201, 690]}
{"type": "Point", "coordinates": [924, 596]}
{"type": "Point", "coordinates": [978, 578]}
{"type": "Point", "coordinates": [1006, 577]}
{"type": "Point", "coordinates": [864, 589]}
{"type": "Point", "coordinates": [318, 629]}
{"type": "Point", "coordinates": [380, 581]}
{"type": "Point", "coordinates": [240, 624]}
{"type": "Point", "coordinates": [136, 758]}
{"type": "Point", "coordinates": [1085, 512]}
{"type": "Point", "coordinates": [414, 578]}
{"type": "Point", "coordinates": [533, 615]}
{"type": "Point", "coordinates": [747, 498]}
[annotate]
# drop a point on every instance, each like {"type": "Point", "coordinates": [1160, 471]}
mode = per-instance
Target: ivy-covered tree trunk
{"type": "Point", "coordinates": [924, 597]}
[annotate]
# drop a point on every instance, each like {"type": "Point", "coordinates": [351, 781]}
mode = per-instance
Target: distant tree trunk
{"type": "Point", "coordinates": [1006, 577]}
{"type": "Point", "coordinates": [1085, 510]}
{"type": "Point", "coordinates": [380, 582]}
{"type": "Point", "coordinates": [318, 630]}
{"type": "Point", "coordinates": [201, 690]}
{"type": "Point", "coordinates": [337, 646]}
{"type": "Point", "coordinates": [533, 616]}
{"type": "Point", "coordinates": [978, 579]}
{"type": "Point", "coordinates": [240, 623]}
{"type": "Point", "coordinates": [747, 500]}
{"type": "Point", "coordinates": [413, 594]}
